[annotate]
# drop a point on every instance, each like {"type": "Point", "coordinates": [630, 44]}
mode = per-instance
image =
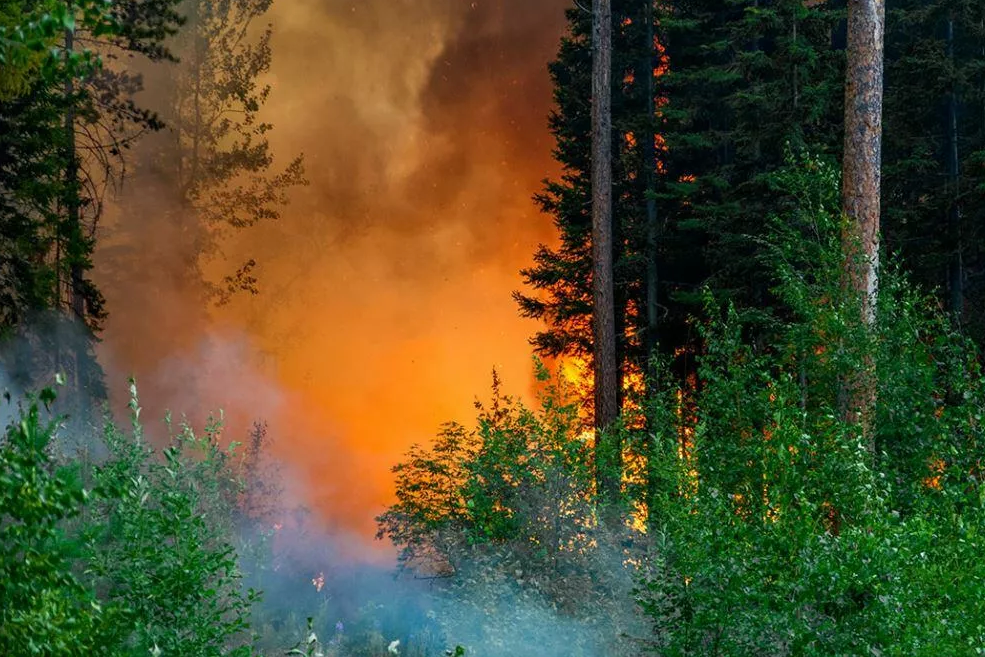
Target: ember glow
{"type": "Point", "coordinates": [385, 288]}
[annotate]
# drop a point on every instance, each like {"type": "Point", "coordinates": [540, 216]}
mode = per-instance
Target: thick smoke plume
{"type": "Point", "coordinates": [385, 287]}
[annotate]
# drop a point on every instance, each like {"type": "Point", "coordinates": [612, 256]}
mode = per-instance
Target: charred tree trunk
{"type": "Point", "coordinates": [608, 450]}
{"type": "Point", "coordinates": [861, 177]}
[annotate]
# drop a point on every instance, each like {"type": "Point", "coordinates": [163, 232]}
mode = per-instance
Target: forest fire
{"type": "Point", "coordinates": [749, 437]}
{"type": "Point", "coordinates": [393, 270]}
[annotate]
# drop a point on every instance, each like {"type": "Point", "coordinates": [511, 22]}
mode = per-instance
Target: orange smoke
{"type": "Point", "coordinates": [385, 288]}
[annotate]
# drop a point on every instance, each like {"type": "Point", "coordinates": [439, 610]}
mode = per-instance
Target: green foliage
{"type": "Point", "coordinates": [29, 32]}
{"type": "Point", "coordinates": [139, 563]}
{"type": "Point", "coordinates": [519, 477]}
{"type": "Point", "coordinates": [47, 609]}
{"type": "Point", "coordinates": [166, 555]}
{"type": "Point", "coordinates": [33, 151]}
{"type": "Point", "coordinates": [746, 80]}
{"type": "Point", "coordinates": [503, 517]}
{"type": "Point", "coordinates": [309, 645]}
{"type": "Point", "coordinates": [781, 533]}
{"type": "Point", "coordinates": [31, 184]}
{"type": "Point", "coordinates": [65, 121]}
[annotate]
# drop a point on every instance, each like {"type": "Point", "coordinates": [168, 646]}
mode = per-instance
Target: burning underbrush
{"type": "Point", "coordinates": [192, 545]}
{"type": "Point", "coordinates": [755, 522]}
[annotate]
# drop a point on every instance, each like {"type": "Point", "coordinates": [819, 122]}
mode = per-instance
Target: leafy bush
{"type": "Point", "coordinates": [139, 563]}
{"type": "Point", "coordinates": [503, 518]}
{"type": "Point", "coordinates": [787, 529]}
{"type": "Point", "coordinates": [47, 609]}
{"type": "Point", "coordinates": [520, 477]}
{"type": "Point", "coordinates": [166, 555]}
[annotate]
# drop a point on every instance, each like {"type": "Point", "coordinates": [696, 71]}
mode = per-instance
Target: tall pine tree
{"type": "Point", "coordinates": [934, 181]}
{"type": "Point", "coordinates": [709, 97]}
{"type": "Point", "coordinates": [748, 83]}
{"type": "Point", "coordinates": [560, 278]}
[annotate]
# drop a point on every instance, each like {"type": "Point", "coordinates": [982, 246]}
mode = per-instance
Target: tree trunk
{"type": "Point", "coordinates": [955, 266]}
{"type": "Point", "coordinates": [861, 186]}
{"type": "Point", "coordinates": [73, 206]}
{"type": "Point", "coordinates": [74, 248]}
{"type": "Point", "coordinates": [651, 335]}
{"type": "Point", "coordinates": [863, 149]}
{"type": "Point", "coordinates": [197, 29]}
{"type": "Point", "coordinates": [608, 452]}
{"type": "Point", "coordinates": [650, 177]}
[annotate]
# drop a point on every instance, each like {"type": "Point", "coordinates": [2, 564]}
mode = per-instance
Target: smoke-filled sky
{"type": "Point", "coordinates": [385, 287]}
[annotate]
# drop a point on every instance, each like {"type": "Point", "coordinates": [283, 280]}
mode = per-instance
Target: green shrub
{"type": "Point", "coordinates": [502, 517]}
{"type": "Point", "coordinates": [783, 532]}
{"type": "Point", "coordinates": [46, 608]}
{"type": "Point", "coordinates": [140, 563]}
{"type": "Point", "coordinates": [166, 555]}
{"type": "Point", "coordinates": [520, 477]}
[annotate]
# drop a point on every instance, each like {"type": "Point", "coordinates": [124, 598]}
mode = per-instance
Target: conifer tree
{"type": "Point", "coordinates": [748, 82]}
{"type": "Point", "coordinates": [67, 122]}
{"type": "Point", "coordinates": [727, 89]}
{"type": "Point", "coordinates": [560, 291]}
{"type": "Point", "coordinates": [934, 140]}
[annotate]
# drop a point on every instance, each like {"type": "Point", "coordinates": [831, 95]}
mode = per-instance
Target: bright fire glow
{"type": "Point", "coordinates": [385, 286]}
